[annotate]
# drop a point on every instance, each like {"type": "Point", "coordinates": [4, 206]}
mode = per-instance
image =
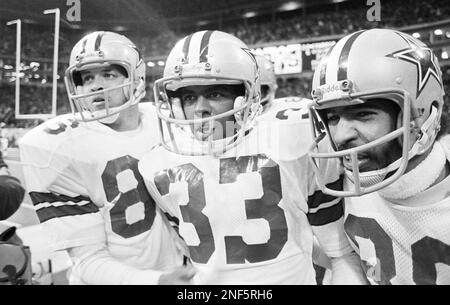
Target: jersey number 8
{"type": "Point", "coordinates": [126, 199]}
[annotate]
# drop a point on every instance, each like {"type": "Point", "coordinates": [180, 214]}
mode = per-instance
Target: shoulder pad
{"type": "Point", "coordinates": [287, 109]}
{"type": "Point", "coordinates": [51, 134]}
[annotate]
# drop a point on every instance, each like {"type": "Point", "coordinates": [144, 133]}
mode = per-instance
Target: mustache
{"type": "Point", "coordinates": [378, 156]}
{"type": "Point", "coordinates": [362, 154]}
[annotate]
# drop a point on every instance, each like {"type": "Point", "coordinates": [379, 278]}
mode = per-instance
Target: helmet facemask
{"type": "Point", "coordinates": [207, 58]}
{"type": "Point", "coordinates": [179, 134]}
{"type": "Point", "coordinates": [378, 64]}
{"type": "Point", "coordinates": [104, 49]}
{"type": "Point", "coordinates": [82, 104]}
{"type": "Point", "coordinates": [405, 134]}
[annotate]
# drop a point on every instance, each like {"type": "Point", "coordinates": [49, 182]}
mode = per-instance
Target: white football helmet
{"type": "Point", "coordinates": [100, 49]}
{"type": "Point", "coordinates": [206, 58]}
{"type": "Point", "coordinates": [374, 64]}
{"type": "Point", "coordinates": [268, 80]}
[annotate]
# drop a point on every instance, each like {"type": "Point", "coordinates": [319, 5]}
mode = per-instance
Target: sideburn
{"type": "Point", "coordinates": [392, 150]}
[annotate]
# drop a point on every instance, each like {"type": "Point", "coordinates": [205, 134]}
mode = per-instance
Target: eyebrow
{"type": "Point", "coordinates": [102, 70]}
{"type": "Point", "coordinates": [355, 108]}
{"type": "Point", "coordinates": [207, 90]}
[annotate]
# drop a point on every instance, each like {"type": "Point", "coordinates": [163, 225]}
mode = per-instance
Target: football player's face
{"type": "Point", "coordinates": [353, 126]}
{"type": "Point", "coordinates": [205, 101]}
{"type": "Point", "coordinates": [101, 78]}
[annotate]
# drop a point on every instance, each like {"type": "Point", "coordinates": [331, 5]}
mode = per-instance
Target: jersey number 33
{"type": "Point", "coordinates": [266, 207]}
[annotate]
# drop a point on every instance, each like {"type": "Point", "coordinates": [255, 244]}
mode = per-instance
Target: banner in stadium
{"type": "Point", "coordinates": [296, 57]}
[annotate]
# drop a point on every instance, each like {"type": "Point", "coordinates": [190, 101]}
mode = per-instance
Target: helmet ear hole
{"type": "Point", "coordinates": [439, 114]}
{"type": "Point", "coordinates": [435, 104]}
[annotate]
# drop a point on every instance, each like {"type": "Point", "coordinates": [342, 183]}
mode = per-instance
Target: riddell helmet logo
{"type": "Point", "coordinates": [331, 88]}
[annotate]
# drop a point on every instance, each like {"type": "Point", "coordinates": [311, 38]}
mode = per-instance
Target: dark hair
{"type": "Point", "coordinates": [384, 104]}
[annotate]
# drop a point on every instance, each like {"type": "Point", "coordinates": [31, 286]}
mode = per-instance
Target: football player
{"type": "Point", "coordinates": [268, 80]}
{"type": "Point", "coordinates": [268, 83]}
{"type": "Point", "coordinates": [269, 87]}
{"type": "Point", "coordinates": [82, 176]}
{"type": "Point", "coordinates": [379, 95]}
{"type": "Point", "coordinates": [235, 181]}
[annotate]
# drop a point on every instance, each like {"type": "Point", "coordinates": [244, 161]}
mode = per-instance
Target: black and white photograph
{"type": "Point", "coordinates": [224, 147]}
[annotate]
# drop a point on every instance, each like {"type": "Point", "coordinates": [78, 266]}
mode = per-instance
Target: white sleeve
{"type": "Point", "coordinates": [326, 214]}
{"type": "Point", "coordinates": [62, 202]}
{"type": "Point", "coordinates": [95, 266]}
{"type": "Point", "coordinates": [347, 270]}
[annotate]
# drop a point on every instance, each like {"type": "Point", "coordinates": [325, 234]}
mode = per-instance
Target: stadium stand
{"type": "Point", "coordinates": [322, 19]}
{"type": "Point", "coordinates": [316, 21]}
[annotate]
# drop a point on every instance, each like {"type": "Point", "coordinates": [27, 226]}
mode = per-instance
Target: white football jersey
{"type": "Point", "coordinates": [248, 215]}
{"type": "Point", "coordinates": [401, 244]}
{"type": "Point", "coordinates": [84, 182]}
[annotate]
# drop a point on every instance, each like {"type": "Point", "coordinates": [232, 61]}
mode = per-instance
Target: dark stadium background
{"type": "Point", "coordinates": [156, 25]}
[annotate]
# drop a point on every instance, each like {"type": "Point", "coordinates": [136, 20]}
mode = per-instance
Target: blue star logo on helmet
{"type": "Point", "coordinates": [421, 56]}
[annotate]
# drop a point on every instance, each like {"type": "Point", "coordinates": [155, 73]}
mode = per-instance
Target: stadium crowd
{"type": "Point", "coordinates": [37, 44]}
{"type": "Point", "coordinates": [394, 14]}
{"type": "Point", "coordinates": [37, 99]}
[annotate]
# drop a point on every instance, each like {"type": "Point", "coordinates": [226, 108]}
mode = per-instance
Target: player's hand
{"type": "Point", "coordinates": [178, 276]}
